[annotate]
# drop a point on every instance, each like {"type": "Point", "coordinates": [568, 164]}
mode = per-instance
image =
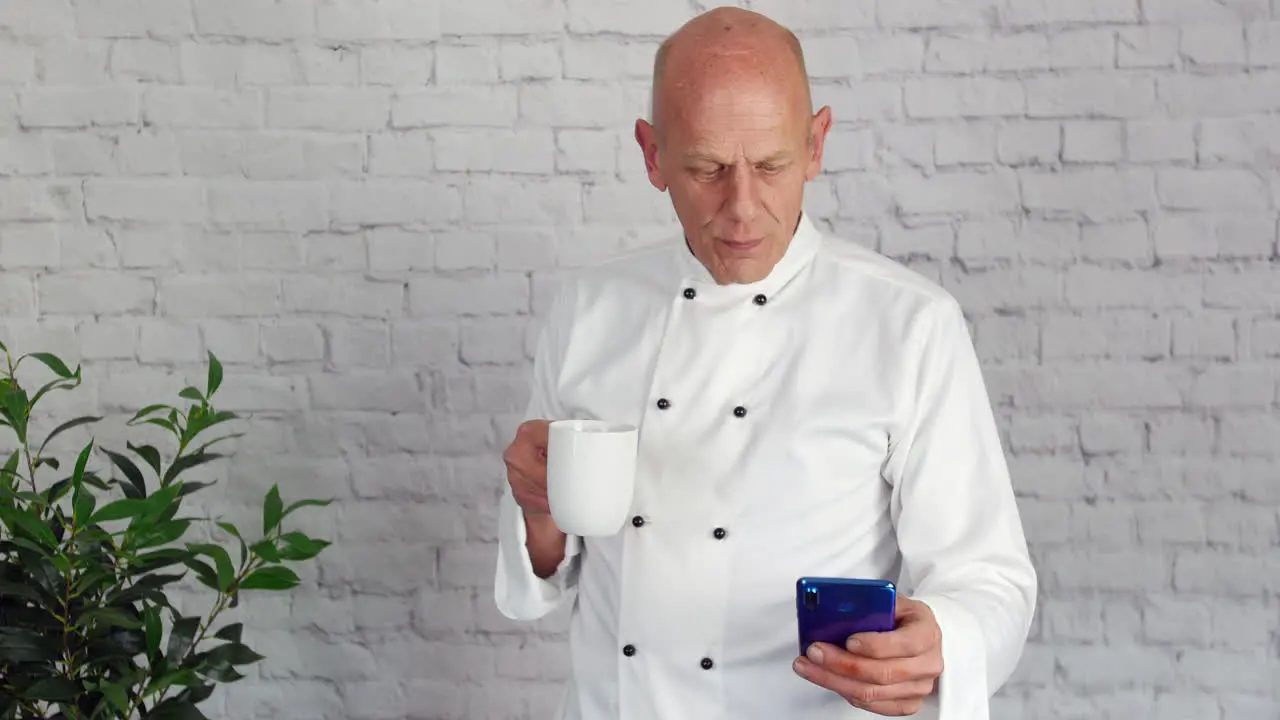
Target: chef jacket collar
{"type": "Point", "coordinates": [802, 249]}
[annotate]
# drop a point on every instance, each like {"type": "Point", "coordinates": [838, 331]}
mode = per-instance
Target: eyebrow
{"type": "Point", "coordinates": [696, 156]}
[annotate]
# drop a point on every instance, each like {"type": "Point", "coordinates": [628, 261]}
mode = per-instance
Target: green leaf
{"type": "Point", "coordinates": [78, 474]}
{"type": "Point", "coordinates": [148, 410]}
{"type": "Point", "coordinates": [272, 510]}
{"type": "Point", "coordinates": [233, 653]}
{"type": "Point", "coordinates": [116, 694]}
{"type": "Point", "coordinates": [19, 590]}
{"type": "Point", "coordinates": [162, 533]}
{"type": "Point", "coordinates": [18, 645]}
{"type": "Point", "coordinates": [231, 632]}
{"type": "Point", "coordinates": [54, 363]}
{"type": "Point", "coordinates": [266, 549]}
{"type": "Point", "coordinates": [130, 471]}
{"type": "Point", "coordinates": [275, 577]}
{"type": "Point", "coordinates": [221, 560]}
{"type": "Point", "coordinates": [54, 689]}
{"type": "Point", "coordinates": [191, 393]}
{"type": "Point", "coordinates": [204, 573]}
{"type": "Point", "coordinates": [83, 507]}
{"type": "Point", "coordinates": [297, 547]}
{"type": "Point", "coordinates": [181, 636]}
{"type": "Point", "coordinates": [235, 533]}
{"type": "Point", "coordinates": [186, 462]}
{"type": "Point", "coordinates": [120, 510]}
{"type": "Point", "coordinates": [111, 616]}
{"type": "Point", "coordinates": [149, 454]}
{"type": "Point", "coordinates": [30, 524]}
{"type": "Point", "coordinates": [305, 503]}
{"type": "Point", "coordinates": [154, 629]}
{"type": "Point", "coordinates": [77, 422]}
{"type": "Point", "coordinates": [215, 375]}
{"type": "Point", "coordinates": [174, 709]}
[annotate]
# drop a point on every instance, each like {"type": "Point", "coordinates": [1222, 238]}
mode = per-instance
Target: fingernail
{"type": "Point", "coordinates": [815, 654]}
{"type": "Point", "coordinates": [798, 666]}
{"type": "Point", "coordinates": [853, 645]}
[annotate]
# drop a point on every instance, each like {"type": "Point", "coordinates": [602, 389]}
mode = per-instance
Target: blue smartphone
{"type": "Point", "coordinates": [831, 609]}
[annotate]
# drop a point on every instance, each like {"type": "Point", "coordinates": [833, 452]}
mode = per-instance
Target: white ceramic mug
{"type": "Point", "coordinates": [591, 467]}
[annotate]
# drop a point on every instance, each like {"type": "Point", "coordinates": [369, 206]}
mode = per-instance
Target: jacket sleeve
{"type": "Point", "coordinates": [963, 546]}
{"type": "Point", "coordinates": [519, 593]}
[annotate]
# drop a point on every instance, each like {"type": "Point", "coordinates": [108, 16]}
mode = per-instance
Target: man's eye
{"type": "Point", "coordinates": [770, 169]}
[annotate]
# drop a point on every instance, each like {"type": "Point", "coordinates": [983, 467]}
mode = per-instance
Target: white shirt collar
{"type": "Point", "coordinates": [800, 252]}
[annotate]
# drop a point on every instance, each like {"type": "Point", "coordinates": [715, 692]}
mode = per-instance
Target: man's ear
{"type": "Point", "coordinates": [647, 138]}
{"type": "Point", "coordinates": [818, 130]}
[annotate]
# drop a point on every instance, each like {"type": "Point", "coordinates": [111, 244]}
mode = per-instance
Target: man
{"type": "Point", "coordinates": [806, 407]}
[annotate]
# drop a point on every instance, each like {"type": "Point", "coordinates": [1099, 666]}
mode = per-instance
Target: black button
{"type": "Point", "coordinates": [719, 533]}
{"type": "Point", "coordinates": [740, 411]}
{"type": "Point", "coordinates": [690, 293]}
{"type": "Point", "coordinates": [707, 664]}
{"type": "Point", "coordinates": [629, 650]}
{"type": "Point", "coordinates": [663, 403]}
{"type": "Point", "coordinates": [637, 521]}
{"type": "Point", "coordinates": [761, 299]}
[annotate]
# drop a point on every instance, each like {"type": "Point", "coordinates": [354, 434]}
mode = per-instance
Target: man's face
{"type": "Point", "coordinates": [735, 159]}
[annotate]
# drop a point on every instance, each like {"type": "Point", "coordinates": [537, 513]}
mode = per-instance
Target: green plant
{"type": "Point", "coordinates": [87, 626]}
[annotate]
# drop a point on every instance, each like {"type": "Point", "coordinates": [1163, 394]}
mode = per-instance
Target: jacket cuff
{"type": "Point", "coordinates": [518, 592]}
{"type": "Point", "coordinates": [962, 692]}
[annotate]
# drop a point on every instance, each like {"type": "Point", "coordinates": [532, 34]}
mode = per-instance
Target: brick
{"type": "Point", "coordinates": [30, 246]}
{"type": "Point", "coordinates": [1221, 670]}
{"type": "Point", "coordinates": [396, 65]}
{"type": "Point", "coordinates": [1112, 385]}
{"type": "Point", "coordinates": [1195, 11]}
{"type": "Point", "coordinates": [1233, 574]}
{"type": "Point", "coordinates": [1046, 12]}
{"type": "Point", "coordinates": [1092, 141]}
{"type": "Point", "coordinates": [84, 155]}
{"type": "Point", "coordinates": [144, 200]}
{"type": "Point", "coordinates": [281, 20]}
{"type": "Point", "coordinates": [1210, 45]}
{"type": "Point", "coordinates": [892, 54]}
{"type": "Point", "coordinates": [1265, 338]}
{"type": "Point", "coordinates": [39, 200]}
{"type": "Point", "coordinates": [181, 107]}
{"type": "Point", "coordinates": [197, 296]}
{"type": "Point", "coordinates": [1096, 195]}
{"type": "Point", "coordinates": [592, 151]}
{"type": "Point", "coordinates": [25, 154]}
{"type": "Point", "coordinates": [407, 154]}
{"type": "Point", "coordinates": [1203, 96]}
{"type": "Point", "coordinates": [574, 104]}
{"type": "Point", "coordinates": [461, 250]}
{"type": "Point", "coordinates": [1208, 336]}
{"type": "Point", "coordinates": [876, 100]}
{"type": "Point", "coordinates": [964, 97]}
{"type": "Point", "coordinates": [1169, 620]}
{"type": "Point", "coordinates": [1108, 526]}
{"type": "Point", "coordinates": [328, 109]}
{"type": "Point", "coordinates": [985, 242]}
{"type": "Point", "coordinates": [336, 66]}
{"type": "Point", "coordinates": [95, 294]}
{"type": "Point", "coordinates": [1184, 189]}
{"type": "Point", "coordinates": [373, 203]}
{"type": "Point", "coordinates": [1242, 287]}
{"type": "Point", "coordinates": [1007, 288]}
{"type": "Point", "coordinates": [1153, 141]}
{"type": "Point", "coordinates": [362, 20]}
{"type": "Point", "coordinates": [504, 294]}
{"type": "Point", "coordinates": [348, 298]}
{"type": "Point", "coordinates": [77, 107]}
{"type": "Point", "coordinates": [1236, 386]}
{"type": "Point", "coordinates": [226, 66]}
{"type": "Point", "coordinates": [1096, 287]}
{"type": "Point", "coordinates": [1116, 335]}
{"type": "Point", "coordinates": [1249, 434]}
{"type": "Point", "coordinates": [1125, 240]}
{"type": "Point", "coordinates": [1093, 94]}
{"type": "Point", "coordinates": [132, 18]}
{"type": "Point", "coordinates": [520, 151]}
{"type": "Point", "coordinates": [963, 54]}
{"type": "Point", "coordinates": [1083, 48]}
{"type": "Point", "coordinates": [493, 341]}
{"type": "Point", "coordinates": [541, 61]}
{"type": "Point", "coordinates": [931, 13]}
{"type": "Point", "coordinates": [1248, 527]}
{"type": "Point", "coordinates": [1102, 433]}
{"type": "Point", "coordinates": [956, 192]}
{"type": "Point", "coordinates": [503, 17]}
{"type": "Point", "coordinates": [268, 206]}
{"type": "Point", "coordinates": [1147, 47]}
{"type": "Point", "coordinates": [936, 241]}
{"type": "Point", "coordinates": [1033, 142]}
{"type": "Point", "coordinates": [972, 143]}
{"type": "Point", "coordinates": [458, 105]}
{"type": "Point", "coordinates": [466, 64]}
{"type": "Point", "coordinates": [17, 296]}
{"type": "Point", "coordinates": [503, 201]}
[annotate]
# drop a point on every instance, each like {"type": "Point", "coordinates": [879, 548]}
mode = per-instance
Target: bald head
{"type": "Point", "coordinates": [724, 47]}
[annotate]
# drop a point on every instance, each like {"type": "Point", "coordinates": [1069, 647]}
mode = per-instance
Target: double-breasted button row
{"type": "Point", "coordinates": [760, 299]}
{"type": "Point", "coordinates": [630, 651]}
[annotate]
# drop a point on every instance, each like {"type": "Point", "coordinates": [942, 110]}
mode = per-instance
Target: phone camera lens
{"type": "Point", "coordinates": [811, 599]}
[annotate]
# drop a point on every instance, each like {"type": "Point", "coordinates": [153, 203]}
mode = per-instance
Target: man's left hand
{"type": "Point", "coordinates": [887, 673]}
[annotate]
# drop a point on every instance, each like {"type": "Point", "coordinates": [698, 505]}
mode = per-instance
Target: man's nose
{"type": "Point", "coordinates": [744, 197]}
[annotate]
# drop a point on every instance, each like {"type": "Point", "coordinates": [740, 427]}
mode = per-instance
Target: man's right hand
{"type": "Point", "coordinates": [526, 461]}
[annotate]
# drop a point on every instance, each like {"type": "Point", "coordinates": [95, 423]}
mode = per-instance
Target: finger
{"type": "Point", "coordinates": [916, 634]}
{"type": "Point", "coordinates": [873, 671]}
{"type": "Point", "coordinates": [893, 708]}
{"type": "Point", "coordinates": [858, 692]}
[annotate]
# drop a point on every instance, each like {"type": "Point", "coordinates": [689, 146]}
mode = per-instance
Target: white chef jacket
{"type": "Point", "coordinates": [829, 420]}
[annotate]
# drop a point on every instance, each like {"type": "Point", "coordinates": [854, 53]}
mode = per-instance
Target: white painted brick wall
{"type": "Point", "coordinates": [361, 205]}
